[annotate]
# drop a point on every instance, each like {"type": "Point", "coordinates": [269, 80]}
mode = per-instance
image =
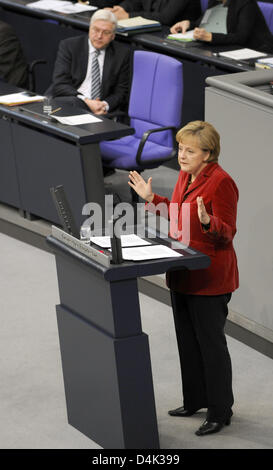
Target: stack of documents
{"type": "Point", "coordinates": [265, 63]}
{"type": "Point", "coordinates": [61, 6]}
{"type": "Point", "coordinates": [135, 248]}
{"type": "Point", "coordinates": [19, 98]}
{"type": "Point", "coordinates": [137, 25]}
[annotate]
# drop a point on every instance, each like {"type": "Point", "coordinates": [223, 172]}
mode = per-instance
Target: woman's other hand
{"type": "Point", "coordinates": [202, 213]}
{"type": "Point", "coordinates": [180, 27]}
{"type": "Point", "coordinates": [140, 186]}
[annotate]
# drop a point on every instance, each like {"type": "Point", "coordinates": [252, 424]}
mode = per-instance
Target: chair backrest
{"type": "Point", "coordinates": [204, 5]}
{"type": "Point", "coordinates": [267, 11]}
{"type": "Point", "coordinates": [156, 94]}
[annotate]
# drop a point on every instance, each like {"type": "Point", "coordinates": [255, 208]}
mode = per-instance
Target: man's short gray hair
{"type": "Point", "coordinates": [105, 15]}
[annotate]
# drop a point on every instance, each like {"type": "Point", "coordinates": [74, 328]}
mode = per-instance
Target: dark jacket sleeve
{"type": "Point", "coordinates": [196, 22]}
{"type": "Point", "coordinates": [117, 87]}
{"type": "Point", "coordinates": [70, 66]}
{"type": "Point", "coordinates": [13, 66]}
{"type": "Point", "coordinates": [244, 20]}
{"type": "Point", "coordinates": [170, 13]}
{"type": "Point", "coordinates": [62, 80]}
{"type": "Point", "coordinates": [241, 22]}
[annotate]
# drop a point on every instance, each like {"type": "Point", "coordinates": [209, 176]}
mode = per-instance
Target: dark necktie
{"type": "Point", "coordinates": [95, 74]}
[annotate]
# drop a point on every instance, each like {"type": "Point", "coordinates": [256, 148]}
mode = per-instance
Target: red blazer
{"type": "Point", "coordinates": [220, 196]}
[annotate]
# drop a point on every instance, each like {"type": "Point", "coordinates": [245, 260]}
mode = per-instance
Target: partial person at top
{"type": "Point", "coordinates": [13, 66]}
{"type": "Point", "coordinates": [93, 71]}
{"type": "Point", "coordinates": [241, 23]}
{"type": "Point", "coordinates": [164, 11]}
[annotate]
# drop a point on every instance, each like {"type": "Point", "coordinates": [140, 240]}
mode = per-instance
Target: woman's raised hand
{"type": "Point", "coordinates": [140, 186]}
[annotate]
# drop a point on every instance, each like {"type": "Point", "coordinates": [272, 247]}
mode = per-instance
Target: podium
{"type": "Point", "coordinates": [105, 354]}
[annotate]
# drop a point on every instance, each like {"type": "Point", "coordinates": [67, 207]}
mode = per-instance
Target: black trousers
{"type": "Point", "coordinates": [204, 357]}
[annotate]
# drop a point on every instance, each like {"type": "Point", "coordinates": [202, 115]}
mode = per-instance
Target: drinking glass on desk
{"type": "Point", "coordinates": [85, 233]}
{"type": "Point", "coordinates": [47, 105]}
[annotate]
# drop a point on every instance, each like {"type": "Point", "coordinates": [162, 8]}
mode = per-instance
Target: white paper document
{"type": "Point", "coordinates": [135, 22]}
{"type": "Point", "coordinates": [61, 6]}
{"type": "Point", "coordinates": [188, 36]}
{"type": "Point", "coordinates": [266, 60]}
{"type": "Point", "coordinates": [126, 240]}
{"type": "Point", "coordinates": [242, 54]}
{"type": "Point", "coordinates": [142, 253]}
{"type": "Point", "coordinates": [19, 98]}
{"type": "Point", "coordinates": [76, 120]}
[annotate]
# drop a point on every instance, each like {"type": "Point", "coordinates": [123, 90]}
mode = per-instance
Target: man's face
{"type": "Point", "coordinates": [101, 33]}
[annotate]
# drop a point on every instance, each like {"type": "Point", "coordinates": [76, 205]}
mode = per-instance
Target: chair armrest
{"type": "Point", "coordinates": [145, 137]}
{"type": "Point", "coordinates": [31, 77]}
{"type": "Point", "coordinates": [36, 62]}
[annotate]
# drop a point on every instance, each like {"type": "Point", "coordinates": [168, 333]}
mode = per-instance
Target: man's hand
{"type": "Point", "coordinates": [120, 13]}
{"type": "Point", "coordinates": [202, 35]}
{"type": "Point", "coordinates": [96, 106]}
{"type": "Point", "coordinates": [180, 27]}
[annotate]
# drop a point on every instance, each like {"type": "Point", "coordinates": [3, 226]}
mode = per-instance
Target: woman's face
{"type": "Point", "coordinates": [191, 158]}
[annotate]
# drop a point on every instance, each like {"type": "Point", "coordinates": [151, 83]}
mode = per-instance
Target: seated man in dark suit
{"type": "Point", "coordinates": [93, 72]}
{"type": "Point", "coordinates": [13, 67]}
{"type": "Point", "coordinates": [164, 11]}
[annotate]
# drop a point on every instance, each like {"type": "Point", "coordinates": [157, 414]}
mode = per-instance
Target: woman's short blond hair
{"type": "Point", "coordinates": [206, 135]}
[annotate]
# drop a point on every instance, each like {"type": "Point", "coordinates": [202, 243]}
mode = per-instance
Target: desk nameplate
{"type": "Point", "coordinates": [80, 246]}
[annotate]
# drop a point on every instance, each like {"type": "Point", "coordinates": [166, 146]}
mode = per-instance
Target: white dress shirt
{"type": "Point", "coordinates": [85, 88]}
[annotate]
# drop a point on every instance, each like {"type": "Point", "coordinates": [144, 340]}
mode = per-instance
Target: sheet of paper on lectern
{"type": "Point", "coordinates": [142, 253]}
{"type": "Point", "coordinates": [126, 241]}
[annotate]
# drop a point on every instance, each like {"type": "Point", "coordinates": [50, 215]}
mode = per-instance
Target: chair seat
{"type": "Point", "coordinates": [121, 153]}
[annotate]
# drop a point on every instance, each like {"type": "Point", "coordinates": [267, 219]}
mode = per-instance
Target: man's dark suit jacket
{"type": "Point", "coordinates": [167, 12]}
{"type": "Point", "coordinates": [71, 67]}
{"type": "Point", "coordinates": [13, 67]}
{"type": "Point", "coordinates": [246, 26]}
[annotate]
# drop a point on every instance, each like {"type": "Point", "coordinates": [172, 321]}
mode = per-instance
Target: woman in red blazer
{"type": "Point", "coordinates": [205, 196]}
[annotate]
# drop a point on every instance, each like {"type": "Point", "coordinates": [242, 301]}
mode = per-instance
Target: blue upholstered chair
{"type": "Point", "coordinates": [267, 10]}
{"type": "Point", "coordinates": [204, 5]}
{"type": "Point", "coordinates": [155, 107]}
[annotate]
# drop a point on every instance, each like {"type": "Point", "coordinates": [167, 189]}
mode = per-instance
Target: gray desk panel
{"type": "Point", "coordinates": [44, 161]}
{"type": "Point", "coordinates": [9, 188]}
